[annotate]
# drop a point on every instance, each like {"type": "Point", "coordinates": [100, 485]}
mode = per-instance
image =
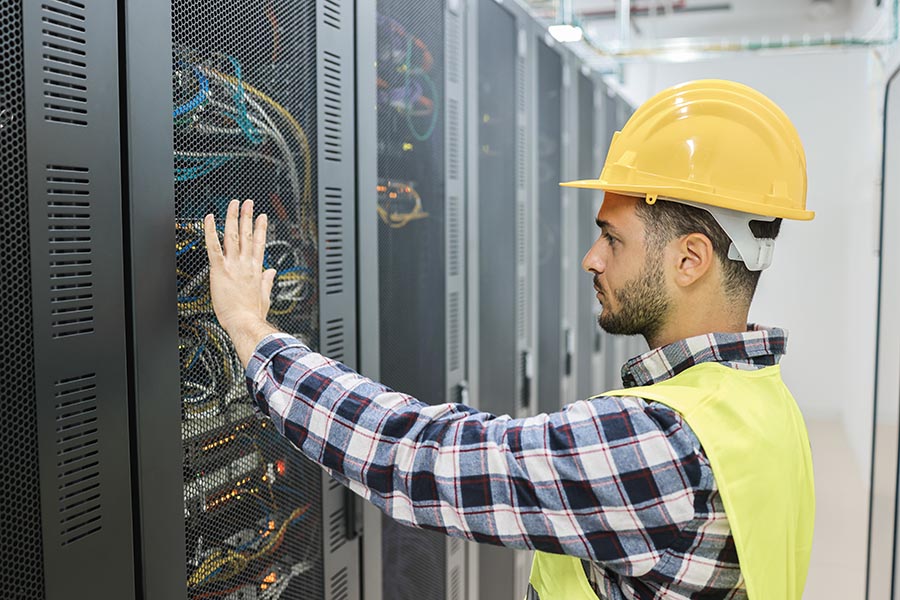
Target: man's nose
{"type": "Point", "coordinates": [592, 261]}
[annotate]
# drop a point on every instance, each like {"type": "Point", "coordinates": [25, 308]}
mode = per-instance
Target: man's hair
{"type": "Point", "coordinates": [665, 221]}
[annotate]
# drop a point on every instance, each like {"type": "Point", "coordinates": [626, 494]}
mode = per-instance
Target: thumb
{"type": "Point", "coordinates": [268, 281]}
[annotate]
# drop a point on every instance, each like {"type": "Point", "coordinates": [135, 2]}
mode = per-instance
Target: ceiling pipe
{"type": "Point", "coordinates": [665, 10]}
{"type": "Point", "coordinates": [691, 49]}
{"type": "Point", "coordinates": [564, 12]}
{"type": "Point", "coordinates": [636, 9]}
{"type": "Point", "coordinates": [624, 22]}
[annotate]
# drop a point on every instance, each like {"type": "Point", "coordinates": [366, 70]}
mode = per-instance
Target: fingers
{"type": "Point", "coordinates": [259, 240]}
{"type": "Point", "coordinates": [268, 281]}
{"type": "Point", "coordinates": [213, 248]}
{"type": "Point", "coordinates": [232, 238]}
{"type": "Point", "coordinates": [246, 235]}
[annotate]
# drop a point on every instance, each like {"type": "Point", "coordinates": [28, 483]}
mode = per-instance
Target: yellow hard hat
{"type": "Point", "coordinates": [711, 142]}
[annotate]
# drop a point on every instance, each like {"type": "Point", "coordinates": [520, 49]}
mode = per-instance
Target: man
{"type": "Point", "coordinates": [693, 482]}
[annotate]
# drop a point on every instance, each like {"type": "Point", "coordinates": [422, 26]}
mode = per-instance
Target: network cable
{"type": "Point", "coordinates": [417, 96]}
{"type": "Point", "coordinates": [398, 203]}
{"type": "Point", "coordinates": [211, 375]}
{"type": "Point", "coordinates": [299, 135]}
{"type": "Point", "coordinates": [223, 564]}
{"type": "Point", "coordinates": [292, 276]}
{"type": "Point", "coordinates": [222, 98]}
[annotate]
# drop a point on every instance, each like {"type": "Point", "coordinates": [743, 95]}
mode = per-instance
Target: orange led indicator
{"type": "Point", "coordinates": [280, 467]}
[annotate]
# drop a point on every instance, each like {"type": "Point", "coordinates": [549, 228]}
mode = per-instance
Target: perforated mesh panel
{"type": "Point", "coordinates": [497, 150]}
{"type": "Point", "coordinates": [411, 248]}
{"type": "Point", "coordinates": [244, 109]}
{"type": "Point", "coordinates": [21, 565]}
{"type": "Point", "coordinates": [588, 330]}
{"type": "Point", "coordinates": [549, 230]}
{"type": "Point", "coordinates": [411, 230]}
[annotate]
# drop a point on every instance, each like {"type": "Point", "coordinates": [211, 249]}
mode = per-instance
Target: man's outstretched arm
{"type": "Point", "coordinates": [606, 479]}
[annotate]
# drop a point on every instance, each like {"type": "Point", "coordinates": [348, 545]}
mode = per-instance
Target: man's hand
{"type": "Point", "coordinates": [239, 287]}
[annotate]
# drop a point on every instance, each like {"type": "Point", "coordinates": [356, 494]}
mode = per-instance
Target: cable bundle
{"type": "Point", "coordinates": [404, 83]}
{"type": "Point", "coordinates": [398, 203]}
{"type": "Point", "coordinates": [241, 123]}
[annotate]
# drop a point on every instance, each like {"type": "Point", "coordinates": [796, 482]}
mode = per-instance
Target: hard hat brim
{"type": "Point", "coordinates": [584, 184]}
{"type": "Point", "coordinates": [702, 198]}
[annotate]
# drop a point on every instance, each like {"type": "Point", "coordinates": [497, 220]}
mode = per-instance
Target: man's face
{"type": "Point", "coordinates": [628, 276]}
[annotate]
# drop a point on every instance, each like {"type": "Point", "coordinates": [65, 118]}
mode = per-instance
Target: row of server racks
{"type": "Point", "coordinates": [407, 153]}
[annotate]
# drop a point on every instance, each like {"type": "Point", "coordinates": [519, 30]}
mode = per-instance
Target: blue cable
{"type": "Point", "coordinates": [208, 165]}
{"type": "Point", "coordinates": [295, 270]}
{"type": "Point", "coordinates": [241, 119]}
{"type": "Point", "coordinates": [198, 99]}
{"type": "Point", "coordinates": [197, 354]}
{"type": "Point", "coordinates": [187, 247]}
{"type": "Point", "coordinates": [210, 576]}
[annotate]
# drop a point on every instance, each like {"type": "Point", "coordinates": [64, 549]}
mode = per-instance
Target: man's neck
{"type": "Point", "coordinates": [691, 323]}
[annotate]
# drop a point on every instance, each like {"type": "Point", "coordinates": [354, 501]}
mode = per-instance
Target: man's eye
{"type": "Point", "coordinates": [609, 238]}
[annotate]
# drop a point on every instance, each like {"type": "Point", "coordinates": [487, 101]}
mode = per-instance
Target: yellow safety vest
{"type": "Point", "coordinates": [755, 439]}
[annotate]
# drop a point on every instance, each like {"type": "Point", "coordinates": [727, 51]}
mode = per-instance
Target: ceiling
{"type": "Point", "coordinates": [714, 19]}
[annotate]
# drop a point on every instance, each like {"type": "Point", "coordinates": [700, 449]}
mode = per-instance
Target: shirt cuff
{"type": "Point", "coordinates": [270, 346]}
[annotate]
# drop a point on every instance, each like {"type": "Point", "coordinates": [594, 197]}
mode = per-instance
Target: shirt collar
{"type": "Point", "coordinates": [753, 349]}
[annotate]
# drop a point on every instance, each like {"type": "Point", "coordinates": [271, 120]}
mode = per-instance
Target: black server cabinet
{"type": "Point", "coordinates": [592, 148]}
{"type": "Point", "coordinates": [501, 69]}
{"type": "Point", "coordinates": [250, 100]}
{"type": "Point", "coordinates": [67, 506]}
{"type": "Point", "coordinates": [498, 343]}
{"type": "Point", "coordinates": [500, 189]}
{"type": "Point", "coordinates": [548, 243]}
{"type": "Point", "coordinates": [418, 215]}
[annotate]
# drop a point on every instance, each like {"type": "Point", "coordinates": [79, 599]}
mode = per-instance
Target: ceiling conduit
{"type": "Point", "coordinates": [681, 49]}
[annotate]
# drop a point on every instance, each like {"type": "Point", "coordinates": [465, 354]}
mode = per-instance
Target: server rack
{"type": "Point", "coordinates": [588, 103]}
{"type": "Point", "coordinates": [410, 87]}
{"type": "Point", "coordinates": [238, 100]}
{"type": "Point", "coordinates": [67, 510]}
{"type": "Point", "coordinates": [501, 70]}
{"type": "Point", "coordinates": [550, 152]}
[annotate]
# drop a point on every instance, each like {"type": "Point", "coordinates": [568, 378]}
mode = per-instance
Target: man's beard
{"type": "Point", "coordinates": [642, 303]}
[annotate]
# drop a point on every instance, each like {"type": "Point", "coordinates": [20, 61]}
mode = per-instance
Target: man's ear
{"type": "Point", "coordinates": [693, 257]}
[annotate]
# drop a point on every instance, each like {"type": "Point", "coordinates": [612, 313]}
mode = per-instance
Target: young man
{"type": "Point", "coordinates": [695, 481]}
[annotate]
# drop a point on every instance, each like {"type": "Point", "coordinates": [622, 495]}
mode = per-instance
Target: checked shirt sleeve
{"type": "Point", "coordinates": [608, 479]}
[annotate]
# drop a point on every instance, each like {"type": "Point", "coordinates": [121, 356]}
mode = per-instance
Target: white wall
{"type": "Point", "coordinates": [823, 283]}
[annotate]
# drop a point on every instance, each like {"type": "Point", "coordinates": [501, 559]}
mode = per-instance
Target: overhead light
{"type": "Point", "coordinates": [566, 33]}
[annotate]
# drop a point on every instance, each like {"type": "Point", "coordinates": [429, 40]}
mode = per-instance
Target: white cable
{"type": "Point", "coordinates": [267, 125]}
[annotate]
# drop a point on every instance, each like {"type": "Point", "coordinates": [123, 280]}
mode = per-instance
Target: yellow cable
{"type": "Point", "coordinates": [235, 562]}
{"type": "Point", "coordinates": [307, 179]}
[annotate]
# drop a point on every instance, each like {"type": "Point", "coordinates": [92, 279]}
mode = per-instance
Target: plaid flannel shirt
{"type": "Point", "coordinates": [619, 482]}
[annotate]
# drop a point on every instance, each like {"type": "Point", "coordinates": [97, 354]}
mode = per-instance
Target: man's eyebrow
{"type": "Point", "coordinates": [605, 225]}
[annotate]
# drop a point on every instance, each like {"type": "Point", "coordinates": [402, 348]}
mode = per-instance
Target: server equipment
{"type": "Point", "coordinates": [410, 86]}
{"type": "Point", "coordinates": [247, 100]}
{"type": "Point", "coordinates": [67, 509]}
{"type": "Point", "coordinates": [502, 69]}
{"type": "Point", "coordinates": [591, 140]}
{"type": "Point", "coordinates": [551, 151]}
